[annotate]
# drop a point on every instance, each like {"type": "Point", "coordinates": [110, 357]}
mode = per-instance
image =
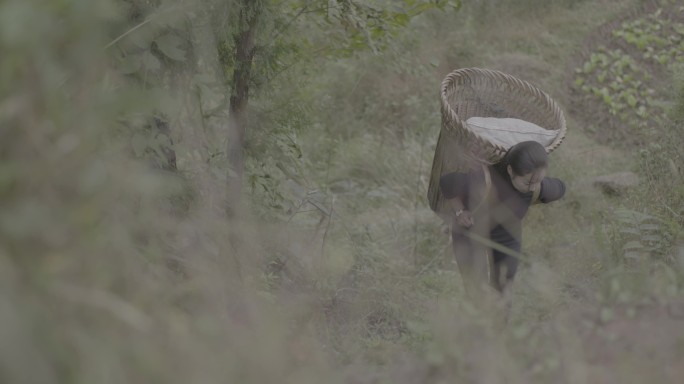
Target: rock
{"type": "Point", "coordinates": [616, 184]}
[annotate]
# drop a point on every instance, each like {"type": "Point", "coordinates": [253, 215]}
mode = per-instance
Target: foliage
{"type": "Point", "coordinates": [646, 234]}
{"type": "Point", "coordinates": [367, 25]}
{"type": "Point", "coordinates": [661, 40]}
{"type": "Point", "coordinates": [619, 83]}
{"type": "Point", "coordinates": [622, 80]}
{"type": "Point", "coordinates": [660, 162]}
{"type": "Point", "coordinates": [640, 236]}
{"type": "Point", "coordinates": [342, 274]}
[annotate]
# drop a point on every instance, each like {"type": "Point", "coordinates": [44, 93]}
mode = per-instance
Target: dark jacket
{"type": "Point", "coordinates": [507, 206]}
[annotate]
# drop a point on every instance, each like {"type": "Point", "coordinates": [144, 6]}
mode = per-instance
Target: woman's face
{"type": "Point", "coordinates": [529, 182]}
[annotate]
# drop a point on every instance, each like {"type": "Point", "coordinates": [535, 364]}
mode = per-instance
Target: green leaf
{"type": "Point", "coordinates": [203, 78]}
{"type": "Point", "coordinates": [631, 101]}
{"type": "Point", "coordinates": [455, 4]}
{"type": "Point", "coordinates": [649, 227]}
{"type": "Point", "coordinates": [139, 144]}
{"type": "Point", "coordinates": [631, 312]}
{"type": "Point", "coordinates": [632, 255]}
{"type": "Point", "coordinates": [641, 111]}
{"type": "Point", "coordinates": [615, 286]}
{"type": "Point", "coordinates": [8, 175]}
{"type": "Point", "coordinates": [634, 244]}
{"type": "Point", "coordinates": [653, 238]}
{"type": "Point", "coordinates": [169, 45]}
{"type": "Point", "coordinates": [150, 62]}
{"type": "Point", "coordinates": [142, 37]}
{"type": "Point", "coordinates": [602, 76]}
{"type": "Point", "coordinates": [130, 64]}
{"type": "Point", "coordinates": [606, 315]}
{"type": "Point", "coordinates": [420, 8]}
{"type": "Point", "coordinates": [607, 99]}
{"type": "Point", "coordinates": [401, 18]}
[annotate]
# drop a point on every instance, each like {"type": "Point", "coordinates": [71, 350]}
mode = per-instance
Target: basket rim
{"type": "Point", "coordinates": [496, 150]}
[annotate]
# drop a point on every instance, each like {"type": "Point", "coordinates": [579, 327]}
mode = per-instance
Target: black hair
{"type": "Point", "coordinates": [524, 158]}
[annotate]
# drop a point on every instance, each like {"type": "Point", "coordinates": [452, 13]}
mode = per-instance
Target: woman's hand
{"type": "Point", "coordinates": [464, 219]}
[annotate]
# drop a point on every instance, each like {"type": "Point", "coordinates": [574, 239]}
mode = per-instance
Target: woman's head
{"type": "Point", "coordinates": [526, 165]}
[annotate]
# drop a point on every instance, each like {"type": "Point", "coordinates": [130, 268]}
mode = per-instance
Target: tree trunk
{"type": "Point", "coordinates": [242, 72]}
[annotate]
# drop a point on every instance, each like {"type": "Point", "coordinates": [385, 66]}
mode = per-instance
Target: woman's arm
{"type": "Point", "coordinates": [552, 189]}
{"type": "Point", "coordinates": [454, 184]}
{"type": "Point", "coordinates": [463, 217]}
{"type": "Point", "coordinates": [454, 187]}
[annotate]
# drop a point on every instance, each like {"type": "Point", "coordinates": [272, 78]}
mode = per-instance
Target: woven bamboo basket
{"type": "Point", "coordinates": [471, 92]}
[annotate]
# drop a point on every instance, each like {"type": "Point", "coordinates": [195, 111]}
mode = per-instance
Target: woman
{"type": "Point", "coordinates": [491, 203]}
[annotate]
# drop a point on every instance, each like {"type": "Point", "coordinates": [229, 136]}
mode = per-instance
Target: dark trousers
{"type": "Point", "coordinates": [480, 263]}
{"type": "Point", "coordinates": [502, 260]}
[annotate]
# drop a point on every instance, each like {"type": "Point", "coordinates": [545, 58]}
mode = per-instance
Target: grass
{"type": "Point", "coordinates": [572, 261]}
{"type": "Point", "coordinates": [103, 281]}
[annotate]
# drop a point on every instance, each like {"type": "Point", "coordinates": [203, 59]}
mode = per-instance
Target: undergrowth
{"type": "Point", "coordinates": [116, 268]}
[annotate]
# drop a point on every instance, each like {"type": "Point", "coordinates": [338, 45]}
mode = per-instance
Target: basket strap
{"type": "Point", "coordinates": [488, 187]}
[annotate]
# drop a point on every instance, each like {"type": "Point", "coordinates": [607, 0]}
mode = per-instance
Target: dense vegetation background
{"type": "Point", "coordinates": [234, 191]}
